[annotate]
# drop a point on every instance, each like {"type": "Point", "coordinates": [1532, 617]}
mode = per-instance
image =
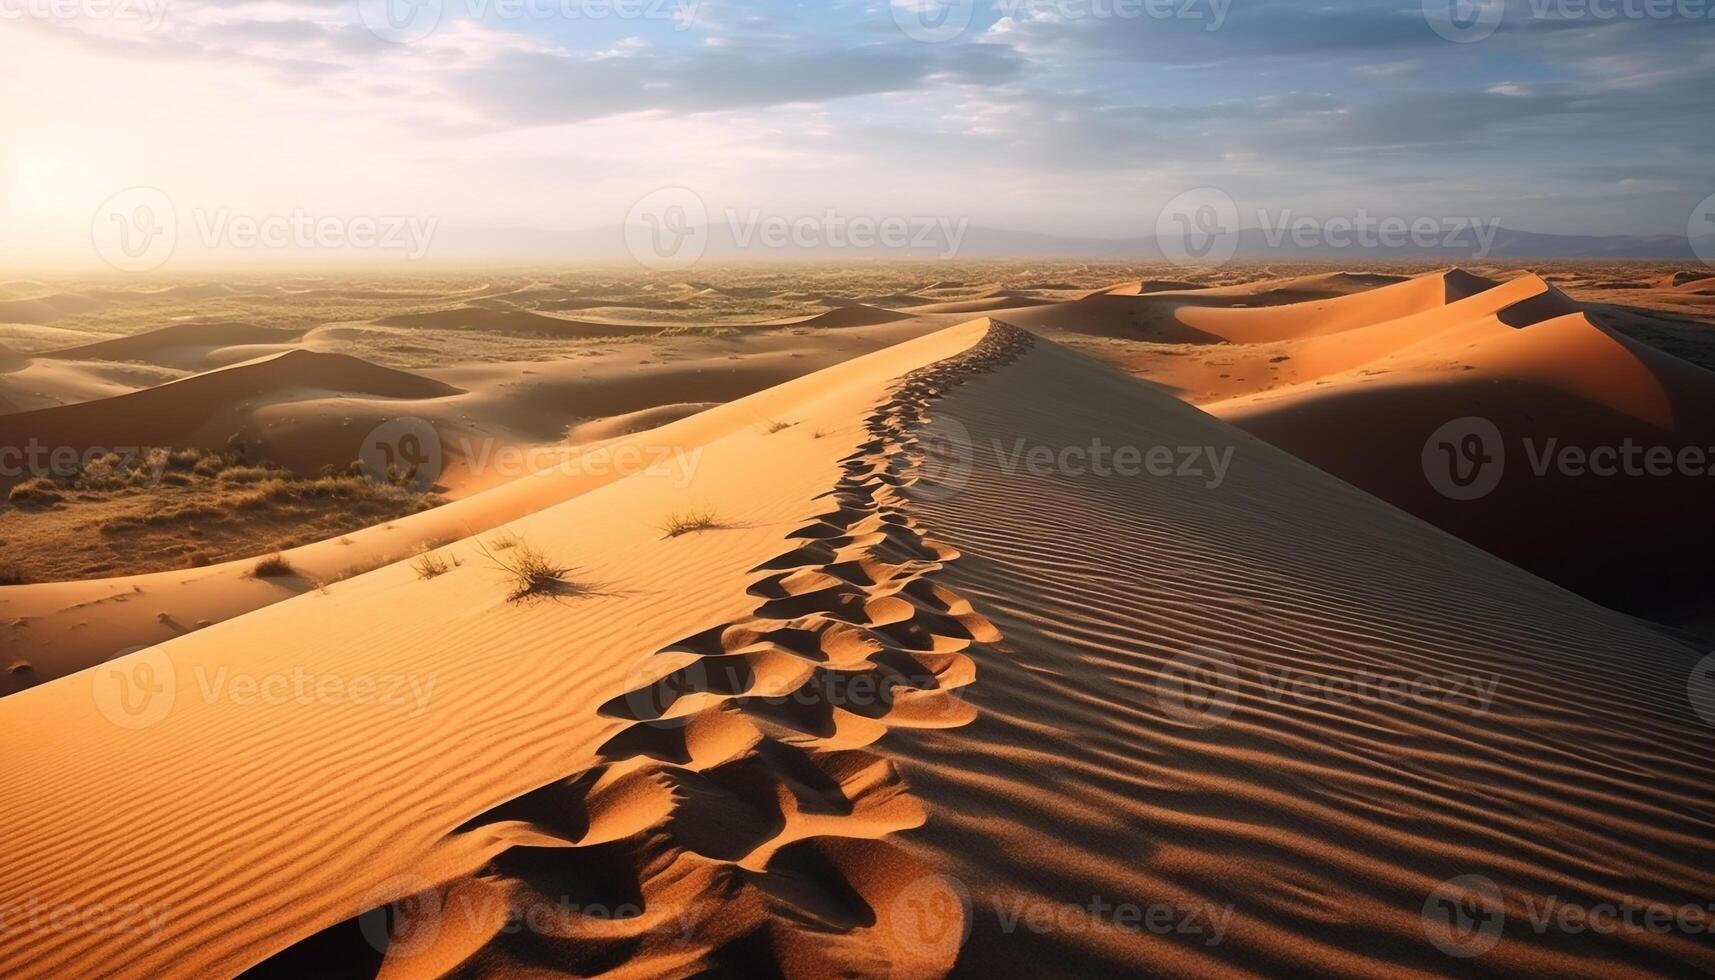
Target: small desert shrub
{"type": "Point", "coordinates": [13, 574]}
{"type": "Point", "coordinates": [255, 496]}
{"type": "Point", "coordinates": [184, 459]}
{"type": "Point", "coordinates": [273, 566]}
{"type": "Point", "coordinates": [36, 493]}
{"type": "Point", "coordinates": [430, 565]}
{"type": "Point", "coordinates": [531, 572]}
{"type": "Point", "coordinates": [686, 522]}
{"type": "Point", "coordinates": [697, 330]}
{"type": "Point", "coordinates": [210, 465]}
{"type": "Point", "coordinates": [774, 427]}
{"type": "Point", "coordinates": [173, 479]}
{"type": "Point", "coordinates": [249, 474]}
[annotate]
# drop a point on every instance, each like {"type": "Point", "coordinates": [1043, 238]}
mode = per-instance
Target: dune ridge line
{"type": "Point", "coordinates": [852, 638]}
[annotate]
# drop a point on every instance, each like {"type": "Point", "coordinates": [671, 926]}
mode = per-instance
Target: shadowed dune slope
{"type": "Point", "coordinates": [1624, 518]}
{"type": "Point", "coordinates": [512, 321]}
{"type": "Point", "coordinates": [675, 728]}
{"type": "Point", "coordinates": [1324, 821]}
{"type": "Point", "coordinates": [858, 316]}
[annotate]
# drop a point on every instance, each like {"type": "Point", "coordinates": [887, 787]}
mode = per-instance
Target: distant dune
{"type": "Point", "coordinates": [181, 345]}
{"type": "Point", "coordinates": [853, 316]}
{"type": "Point", "coordinates": [512, 321]}
{"type": "Point", "coordinates": [46, 309]}
{"type": "Point", "coordinates": [1357, 373]}
{"type": "Point", "coordinates": [206, 409]}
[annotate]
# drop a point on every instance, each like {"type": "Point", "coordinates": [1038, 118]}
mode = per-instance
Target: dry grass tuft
{"type": "Point", "coordinates": [774, 427]}
{"type": "Point", "coordinates": [39, 492]}
{"type": "Point", "coordinates": [688, 522]}
{"type": "Point", "coordinates": [532, 573]}
{"type": "Point", "coordinates": [430, 564]}
{"type": "Point", "coordinates": [273, 566]}
{"type": "Point", "coordinates": [504, 541]}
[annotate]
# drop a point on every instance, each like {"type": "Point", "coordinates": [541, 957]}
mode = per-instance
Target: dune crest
{"type": "Point", "coordinates": [181, 345]}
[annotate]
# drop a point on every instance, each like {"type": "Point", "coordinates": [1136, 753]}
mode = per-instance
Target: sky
{"type": "Point", "coordinates": [1069, 117]}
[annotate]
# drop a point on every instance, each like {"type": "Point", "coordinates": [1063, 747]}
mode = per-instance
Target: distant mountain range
{"type": "Point", "coordinates": [937, 239]}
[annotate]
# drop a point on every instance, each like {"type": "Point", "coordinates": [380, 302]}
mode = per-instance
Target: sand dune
{"type": "Point", "coordinates": [908, 691]}
{"type": "Point", "coordinates": [207, 409]}
{"type": "Point", "coordinates": [182, 345]}
{"type": "Point", "coordinates": [990, 304]}
{"type": "Point", "coordinates": [511, 419]}
{"type": "Point", "coordinates": [46, 309]}
{"type": "Point", "coordinates": [10, 359]}
{"type": "Point", "coordinates": [853, 316]}
{"type": "Point", "coordinates": [1695, 279]}
{"type": "Point", "coordinates": [1358, 382]}
{"type": "Point", "coordinates": [512, 321]}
